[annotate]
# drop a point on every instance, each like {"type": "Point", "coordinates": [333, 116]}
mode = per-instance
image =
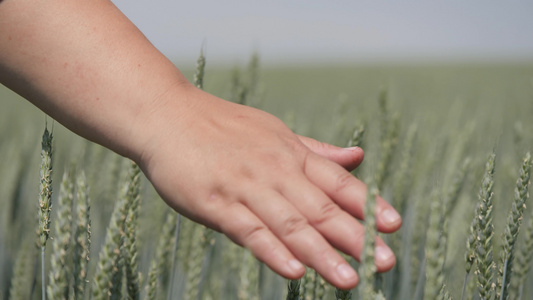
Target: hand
{"type": "Point", "coordinates": [242, 172]}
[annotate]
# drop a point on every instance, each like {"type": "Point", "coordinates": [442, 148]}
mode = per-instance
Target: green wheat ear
{"type": "Point", "coordinates": [109, 274]}
{"type": "Point", "coordinates": [523, 259]}
{"type": "Point", "coordinates": [201, 243]}
{"type": "Point", "coordinates": [514, 221]}
{"type": "Point", "coordinates": [45, 202]}
{"type": "Point", "coordinates": [45, 188]}
{"type": "Point", "coordinates": [307, 284]}
{"type": "Point", "coordinates": [389, 127]}
{"type": "Point", "coordinates": [367, 269]}
{"type": "Point", "coordinates": [130, 241]}
{"type": "Point", "coordinates": [293, 292]}
{"type": "Point", "coordinates": [23, 270]}
{"type": "Point", "coordinates": [59, 273]}
{"type": "Point", "coordinates": [470, 256]}
{"type": "Point", "coordinates": [343, 294]}
{"type": "Point", "coordinates": [435, 249]}
{"type": "Point", "coordinates": [485, 232]}
{"type": "Point", "coordinates": [248, 277]}
{"type": "Point", "coordinates": [161, 257]}
{"type": "Point", "coordinates": [82, 236]}
{"type": "Point", "coordinates": [357, 136]}
{"type": "Point", "coordinates": [320, 287]}
{"type": "Point", "coordinates": [200, 71]}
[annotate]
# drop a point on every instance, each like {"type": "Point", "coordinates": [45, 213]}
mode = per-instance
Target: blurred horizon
{"type": "Point", "coordinates": [337, 32]}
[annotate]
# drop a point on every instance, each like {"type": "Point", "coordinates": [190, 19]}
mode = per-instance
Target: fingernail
{"type": "Point", "coordinates": [295, 265]}
{"type": "Point", "coordinates": [383, 254]}
{"type": "Point", "coordinates": [390, 216]}
{"type": "Point", "coordinates": [351, 148]}
{"type": "Point", "coordinates": [346, 272]}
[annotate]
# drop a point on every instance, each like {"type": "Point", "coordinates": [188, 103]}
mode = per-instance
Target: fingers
{"type": "Point", "coordinates": [301, 223]}
{"type": "Point", "coordinates": [341, 229]}
{"type": "Point", "coordinates": [349, 192]}
{"type": "Point", "coordinates": [247, 230]}
{"type": "Point", "coordinates": [348, 158]}
{"type": "Point", "coordinates": [301, 238]}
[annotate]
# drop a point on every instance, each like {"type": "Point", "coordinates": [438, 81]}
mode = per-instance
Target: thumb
{"type": "Point", "coordinates": [349, 158]}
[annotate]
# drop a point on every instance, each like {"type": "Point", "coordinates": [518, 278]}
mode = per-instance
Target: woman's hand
{"type": "Point", "coordinates": [241, 171]}
{"type": "Point", "coordinates": [236, 169]}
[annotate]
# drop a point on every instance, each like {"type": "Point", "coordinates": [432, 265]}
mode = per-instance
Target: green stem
{"type": "Point", "coordinates": [43, 283]}
{"type": "Point", "coordinates": [464, 287]}
{"type": "Point", "coordinates": [504, 289]}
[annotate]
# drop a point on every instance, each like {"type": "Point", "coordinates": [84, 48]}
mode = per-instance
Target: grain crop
{"type": "Point", "coordinates": [426, 131]}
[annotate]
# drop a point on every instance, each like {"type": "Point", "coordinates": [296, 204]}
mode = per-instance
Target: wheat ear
{"type": "Point", "coordinates": [58, 287]}
{"type": "Point", "coordinates": [293, 287]}
{"type": "Point", "coordinates": [23, 271]}
{"type": "Point", "coordinates": [200, 71]}
{"type": "Point", "coordinates": [45, 201]}
{"type": "Point", "coordinates": [105, 278]}
{"type": "Point", "coordinates": [161, 255]}
{"type": "Point", "coordinates": [357, 137]}
{"type": "Point", "coordinates": [368, 266]}
{"type": "Point", "coordinates": [435, 250]}
{"type": "Point", "coordinates": [485, 232]}
{"type": "Point", "coordinates": [130, 241]}
{"type": "Point", "coordinates": [82, 236]}
{"type": "Point", "coordinates": [514, 221]}
{"type": "Point", "coordinates": [523, 259]}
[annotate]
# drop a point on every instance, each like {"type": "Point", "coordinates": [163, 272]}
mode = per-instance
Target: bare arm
{"type": "Point", "coordinates": [236, 169]}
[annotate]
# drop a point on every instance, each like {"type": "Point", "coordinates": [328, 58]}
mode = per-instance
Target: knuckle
{"type": "Point", "coordinates": [252, 234]}
{"type": "Point", "coordinates": [294, 224]}
{"type": "Point", "coordinates": [327, 211]}
{"type": "Point", "coordinates": [277, 161]}
{"type": "Point", "coordinates": [344, 180]}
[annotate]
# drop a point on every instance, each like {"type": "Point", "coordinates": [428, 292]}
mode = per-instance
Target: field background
{"type": "Point", "coordinates": [460, 110]}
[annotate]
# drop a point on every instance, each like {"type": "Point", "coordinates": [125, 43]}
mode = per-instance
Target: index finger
{"type": "Point", "coordinates": [349, 192]}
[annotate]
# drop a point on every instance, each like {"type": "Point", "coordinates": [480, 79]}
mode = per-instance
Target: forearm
{"type": "Point", "coordinates": [86, 65]}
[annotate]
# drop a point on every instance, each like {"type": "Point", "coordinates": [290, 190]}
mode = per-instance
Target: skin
{"type": "Point", "coordinates": [239, 170]}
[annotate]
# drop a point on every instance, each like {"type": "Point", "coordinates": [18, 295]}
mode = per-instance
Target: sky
{"type": "Point", "coordinates": [335, 31]}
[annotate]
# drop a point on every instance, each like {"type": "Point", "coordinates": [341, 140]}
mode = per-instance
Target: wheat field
{"type": "Point", "coordinates": [446, 144]}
